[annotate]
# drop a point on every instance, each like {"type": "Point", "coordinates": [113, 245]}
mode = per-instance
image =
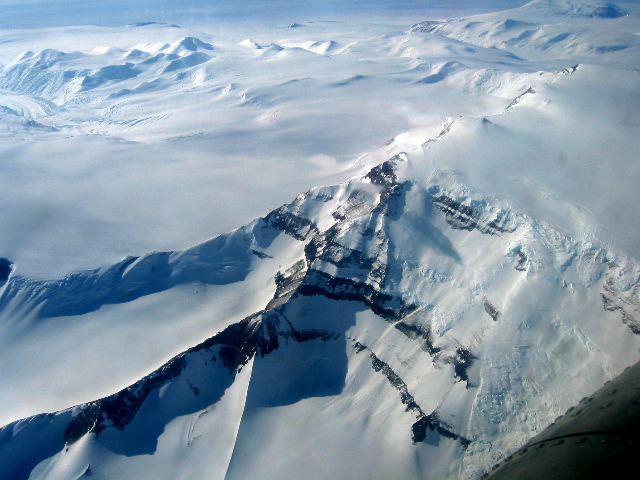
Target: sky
{"type": "Point", "coordinates": [54, 13]}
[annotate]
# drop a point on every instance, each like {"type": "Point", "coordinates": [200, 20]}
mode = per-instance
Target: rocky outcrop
{"type": "Point", "coordinates": [288, 222]}
{"type": "Point", "coordinates": [521, 260]}
{"type": "Point", "coordinates": [491, 310]}
{"type": "Point", "coordinates": [464, 213]}
{"type": "Point", "coordinates": [287, 283]}
{"type": "Point", "coordinates": [6, 267]}
{"type": "Point", "coordinates": [622, 298]}
{"type": "Point", "coordinates": [418, 332]}
{"type": "Point", "coordinates": [259, 334]}
{"type": "Point", "coordinates": [518, 99]}
{"type": "Point", "coordinates": [630, 321]}
{"type": "Point", "coordinates": [382, 304]}
{"type": "Point", "coordinates": [462, 361]}
{"type": "Point", "coordinates": [424, 422]}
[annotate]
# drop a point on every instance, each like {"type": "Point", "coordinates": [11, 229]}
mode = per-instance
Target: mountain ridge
{"type": "Point", "coordinates": [332, 270]}
{"type": "Point", "coordinates": [425, 313]}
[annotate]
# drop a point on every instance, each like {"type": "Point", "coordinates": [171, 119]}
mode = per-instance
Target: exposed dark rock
{"type": "Point", "coordinates": [319, 242]}
{"type": "Point", "coordinates": [260, 254]}
{"type": "Point", "coordinates": [419, 429]}
{"type": "Point", "coordinates": [313, 249]}
{"type": "Point", "coordinates": [610, 305]}
{"type": "Point", "coordinates": [418, 331]}
{"type": "Point", "coordinates": [359, 347]}
{"type": "Point", "coordinates": [344, 257]}
{"type": "Point", "coordinates": [358, 202]}
{"type": "Point", "coordinates": [472, 215]}
{"type": "Point", "coordinates": [499, 224]}
{"type": "Point", "coordinates": [518, 99]}
{"type": "Point", "coordinates": [491, 310]}
{"type": "Point", "coordinates": [294, 225]}
{"type": "Point", "coordinates": [431, 422]}
{"type": "Point", "coordinates": [461, 364]}
{"type": "Point", "coordinates": [382, 304]}
{"type": "Point", "coordinates": [424, 421]}
{"type": "Point", "coordinates": [234, 346]}
{"type": "Point", "coordinates": [379, 273]}
{"type": "Point", "coordinates": [393, 202]}
{"type": "Point", "coordinates": [294, 272]}
{"type": "Point", "coordinates": [5, 270]}
{"type": "Point", "coordinates": [522, 261]}
{"type": "Point", "coordinates": [119, 409]}
{"type": "Point", "coordinates": [397, 383]}
{"type": "Point", "coordinates": [383, 174]}
{"type": "Point", "coordinates": [230, 357]}
{"type": "Point", "coordinates": [446, 128]}
{"type": "Point", "coordinates": [237, 345]}
{"type": "Point", "coordinates": [456, 214]}
{"type": "Point", "coordinates": [287, 283]}
{"type": "Point", "coordinates": [301, 336]}
{"type": "Point", "coordinates": [323, 196]}
{"type": "Point", "coordinates": [621, 302]}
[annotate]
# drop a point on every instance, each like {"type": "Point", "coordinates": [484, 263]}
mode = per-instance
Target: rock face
{"type": "Point", "coordinates": [405, 301]}
{"type": "Point", "coordinates": [466, 214]}
{"type": "Point", "coordinates": [6, 266]}
{"type": "Point", "coordinates": [232, 348]}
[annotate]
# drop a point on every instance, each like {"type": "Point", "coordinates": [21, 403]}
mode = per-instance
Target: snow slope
{"type": "Point", "coordinates": [415, 318]}
{"type": "Point", "coordinates": [441, 307]}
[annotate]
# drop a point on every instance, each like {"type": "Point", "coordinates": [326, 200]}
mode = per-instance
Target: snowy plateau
{"type": "Point", "coordinates": [355, 240]}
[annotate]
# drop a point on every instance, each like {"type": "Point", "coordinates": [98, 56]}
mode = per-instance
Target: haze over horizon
{"type": "Point", "coordinates": [199, 13]}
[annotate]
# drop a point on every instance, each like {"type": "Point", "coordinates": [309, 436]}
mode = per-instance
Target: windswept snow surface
{"type": "Point", "coordinates": [419, 317]}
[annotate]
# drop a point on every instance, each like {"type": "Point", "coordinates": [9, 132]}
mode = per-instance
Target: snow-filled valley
{"type": "Point", "coordinates": [389, 243]}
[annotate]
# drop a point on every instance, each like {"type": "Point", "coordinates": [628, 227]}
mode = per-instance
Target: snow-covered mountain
{"type": "Point", "coordinates": [536, 26]}
{"type": "Point", "coordinates": [422, 315]}
{"type": "Point", "coordinates": [405, 315]}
